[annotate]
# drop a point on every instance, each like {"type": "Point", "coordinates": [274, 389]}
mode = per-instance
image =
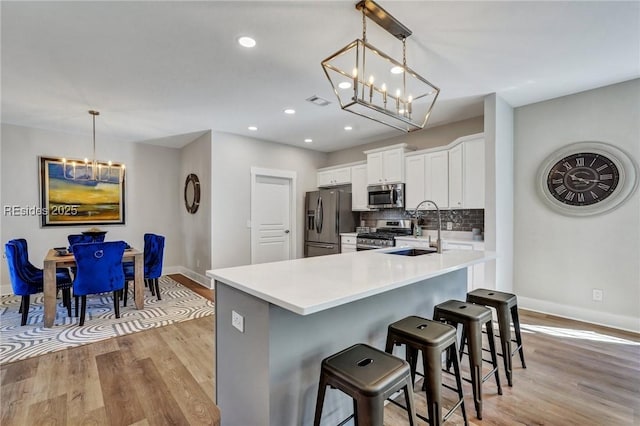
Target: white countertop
{"type": "Point", "coordinates": [306, 286]}
{"type": "Point", "coordinates": [448, 236]}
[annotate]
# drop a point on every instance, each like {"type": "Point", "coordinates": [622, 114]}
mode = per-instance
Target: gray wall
{"type": "Point", "coordinates": [196, 228]}
{"type": "Point", "coordinates": [422, 139]}
{"type": "Point", "coordinates": [232, 159]}
{"type": "Point", "coordinates": [151, 190]}
{"type": "Point", "coordinates": [560, 259]}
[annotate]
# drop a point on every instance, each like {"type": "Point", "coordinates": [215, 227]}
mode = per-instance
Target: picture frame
{"type": "Point", "coordinates": [72, 193]}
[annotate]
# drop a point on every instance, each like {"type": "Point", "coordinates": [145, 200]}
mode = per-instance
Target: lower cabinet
{"type": "Point", "coordinates": [347, 243]}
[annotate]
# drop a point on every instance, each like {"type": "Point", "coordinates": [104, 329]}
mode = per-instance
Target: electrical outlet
{"type": "Point", "coordinates": [597, 295]}
{"type": "Point", "coordinates": [237, 321]}
{"type": "Point", "coordinates": [449, 226]}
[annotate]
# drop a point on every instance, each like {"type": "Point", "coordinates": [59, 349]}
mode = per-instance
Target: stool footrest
{"type": "Point", "coordinates": [345, 421]}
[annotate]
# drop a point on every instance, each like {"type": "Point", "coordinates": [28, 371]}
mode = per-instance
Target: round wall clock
{"type": "Point", "coordinates": [587, 178]}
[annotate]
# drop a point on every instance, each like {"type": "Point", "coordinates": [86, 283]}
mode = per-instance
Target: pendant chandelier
{"type": "Point", "coordinates": [370, 83]}
{"type": "Point", "coordinates": [93, 171]}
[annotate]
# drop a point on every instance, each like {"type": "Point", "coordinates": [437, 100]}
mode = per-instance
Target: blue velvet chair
{"type": "Point", "coordinates": [83, 239]}
{"type": "Point", "coordinates": [99, 270]}
{"type": "Point", "coordinates": [26, 282]}
{"type": "Point", "coordinates": [62, 274]}
{"type": "Point", "coordinates": [153, 254]}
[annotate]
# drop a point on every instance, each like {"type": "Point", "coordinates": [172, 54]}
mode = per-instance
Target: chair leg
{"type": "Point", "coordinates": [155, 280]}
{"type": "Point", "coordinates": [151, 287]}
{"type": "Point", "coordinates": [24, 304]}
{"type": "Point", "coordinates": [116, 302]}
{"type": "Point", "coordinates": [320, 400]}
{"type": "Point", "coordinates": [77, 300]}
{"type": "Point", "coordinates": [66, 296]}
{"type": "Point", "coordinates": [83, 308]}
{"type": "Point", "coordinates": [516, 326]}
{"type": "Point", "coordinates": [126, 293]}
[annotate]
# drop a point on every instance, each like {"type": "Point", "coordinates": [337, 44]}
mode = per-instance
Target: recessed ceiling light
{"type": "Point", "coordinates": [344, 85]}
{"type": "Point", "coordinates": [289, 111]}
{"type": "Point", "coordinates": [308, 140]}
{"type": "Point", "coordinates": [397, 70]}
{"type": "Point", "coordinates": [347, 128]}
{"type": "Point", "coordinates": [246, 42]}
{"type": "Point", "coordinates": [252, 128]}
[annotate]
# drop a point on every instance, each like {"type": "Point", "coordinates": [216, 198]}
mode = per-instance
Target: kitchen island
{"type": "Point", "coordinates": [290, 315]}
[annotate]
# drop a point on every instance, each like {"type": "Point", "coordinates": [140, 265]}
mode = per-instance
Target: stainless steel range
{"type": "Point", "coordinates": [384, 236]}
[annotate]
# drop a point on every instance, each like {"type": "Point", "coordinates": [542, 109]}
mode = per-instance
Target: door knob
{"type": "Point", "coordinates": [286, 231]}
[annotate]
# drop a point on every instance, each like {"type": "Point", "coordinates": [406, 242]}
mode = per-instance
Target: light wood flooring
{"type": "Point", "coordinates": [577, 374]}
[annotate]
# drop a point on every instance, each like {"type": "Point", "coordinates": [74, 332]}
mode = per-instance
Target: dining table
{"type": "Point", "coordinates": [54, 260]}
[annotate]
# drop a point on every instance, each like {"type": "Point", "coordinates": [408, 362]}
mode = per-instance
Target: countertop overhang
{"type": "Point", "coordinates": [310, 285]}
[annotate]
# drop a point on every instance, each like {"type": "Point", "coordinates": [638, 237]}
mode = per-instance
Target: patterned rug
{"type": "Point", "coordinates": [20, 342]}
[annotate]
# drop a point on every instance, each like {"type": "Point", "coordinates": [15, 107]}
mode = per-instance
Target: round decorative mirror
{"type": "Point", "coordinates": [192, 193]}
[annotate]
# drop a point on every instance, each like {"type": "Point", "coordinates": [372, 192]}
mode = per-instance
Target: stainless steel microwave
{"type": "Point", "coordinates": [386, 196]}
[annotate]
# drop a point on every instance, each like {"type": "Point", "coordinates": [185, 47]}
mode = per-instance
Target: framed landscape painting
{"type": "Point", "coordinates": [75, 192]}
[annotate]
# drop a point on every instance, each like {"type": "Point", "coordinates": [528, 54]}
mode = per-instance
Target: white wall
{"type": "Point", "coordinates": [499, 210]}
{"type": "Point", "coordinates": [196, 228]}
{"type": "Point", "coordinates": [560, 259]}
{"type": "Point", "coordinates": [232, 159]}
{"type": "Point", "coordinates": [152, 186]}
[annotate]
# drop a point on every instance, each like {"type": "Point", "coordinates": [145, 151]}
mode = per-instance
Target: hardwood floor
{"type": "Point", "coordinates": [577, 374]}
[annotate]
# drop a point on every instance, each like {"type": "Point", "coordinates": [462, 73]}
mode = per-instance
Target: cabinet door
{"type": "Point", "coordinates": [342, 176]}
{"type": "Point", "coordinates": [415, 181]}
{"type": "Point", "coordinates": [374, 169]}
{"type": "Point", "coordinates": [455, 177]}
{"type": "Point", "coordinates": [325, 178]}
{"type": "Point", "coordinates": [393, 166]}
{"type": "Point", "coordinates": [359, 196]}
{"type": "Point", "coordinates": [437, 178]}
{"type": "Point", "coordinates": [473, 174]}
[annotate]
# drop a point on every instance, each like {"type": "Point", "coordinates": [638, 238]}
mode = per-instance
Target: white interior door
{"type": "Point", "coordinates": [272, 235]}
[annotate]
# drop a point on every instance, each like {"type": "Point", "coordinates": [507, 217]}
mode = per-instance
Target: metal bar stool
{"type": "Point", "coordinates": [472, 317]}
{"type": "Point", "coordinates": [431, 338]}
{"type": "Point", "coordinates": [505, 304]}
{"type": "Point", "coordinates": [369, 376]}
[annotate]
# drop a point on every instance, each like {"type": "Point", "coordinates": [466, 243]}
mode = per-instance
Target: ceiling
{"type": "Point", "coordinates": [164, 72]}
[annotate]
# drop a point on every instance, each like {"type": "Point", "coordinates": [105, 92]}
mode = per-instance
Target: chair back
{"type": "Point", "coordinates": [21, 282]}
{"type": "Point", "coordinates": [83, 239]}
{"type": "Point", "coordinates": [153, 253]}
{"type": "Point", "coordinates": [99, 267]}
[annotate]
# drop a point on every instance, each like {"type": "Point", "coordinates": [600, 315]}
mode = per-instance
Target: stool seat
{"type": "Point", "coordinates": [432, 339]}
{"type": "Point", "coordinates": [472, 317]}
{"type": "Point", "coordinates": [506, 306]}
{"type": "Point", "coordinates": [369, 376]}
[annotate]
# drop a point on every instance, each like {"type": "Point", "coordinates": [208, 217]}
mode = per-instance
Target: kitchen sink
{"type": "Point", "coordinates": [413, 251]}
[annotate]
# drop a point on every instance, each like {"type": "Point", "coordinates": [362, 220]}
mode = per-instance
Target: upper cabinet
{"type": "Point", "coordinates": [385, 165]}
{"type": "Point", "coordinates": [466, 174]}
{"type": "Point", "coordinates": [427, 178]}
{"type": "Point", "coordinates": [359, 196]}
{"type": "Point", "coordinates": [334, 177]}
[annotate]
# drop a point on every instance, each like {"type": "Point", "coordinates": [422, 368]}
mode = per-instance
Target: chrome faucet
{"type": "Point", "coordinates": [415, 216]}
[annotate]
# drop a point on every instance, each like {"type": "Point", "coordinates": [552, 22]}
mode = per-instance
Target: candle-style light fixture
{"type": "Point", "coordinates": [93, 171]}
{"type": "Point", "coordinates": [372, 84]}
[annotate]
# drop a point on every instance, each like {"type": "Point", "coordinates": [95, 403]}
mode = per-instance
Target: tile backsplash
{"type": "Point", "coordinates": [461, 219]}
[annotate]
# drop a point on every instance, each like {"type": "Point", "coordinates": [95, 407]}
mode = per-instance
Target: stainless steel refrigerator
{"type": "Point", "coordinates": [327, 214]}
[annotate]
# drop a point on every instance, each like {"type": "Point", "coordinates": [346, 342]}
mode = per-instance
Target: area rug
{"type": "Point", "coordinates": [20, 342]}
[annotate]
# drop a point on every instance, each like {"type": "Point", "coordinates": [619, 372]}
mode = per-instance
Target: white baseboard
{"type": "Point", "coordinates": [200, 279]}
{"type": "Point", "coordinates": [606, 319]}
{"type": "Point", "coordinates": [204, 281]}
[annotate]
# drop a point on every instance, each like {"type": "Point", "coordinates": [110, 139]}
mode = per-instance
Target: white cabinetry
{"type": "Point", "coordinates": [385, 166]}
{"type": "Point", "coordinates": [333, 177]}
{"type": "Point", "coordinates": [347, 243]}
{"type": "Point", "coordinates": [359, 195]}
{"type": "Point", "coordinates": [466, 174]}
{"type": "Point", "coordinates": [427, 179]}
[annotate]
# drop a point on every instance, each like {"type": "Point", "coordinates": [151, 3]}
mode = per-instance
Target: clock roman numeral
{"type": "Point", "coordinates": [601, 168]}
{"type": "Point", "coordinates": [580, 162]}
{"type": "Point", "coordinates": [556, 181]}
{"type": "Point", "coordinates": [580, 197]}
{"type": "Point", "coordinates": [570, 196]}
{"type": "Point", "coordinates": [606, 177]}
{"type": "Point", "coordinates": [593, 195]}
{"type": "Point", "coordinates": [592, 162]}
{"type": "Point", "coordinates": [568, 166]}
{"type": "Point", "coordinates": [561, 189]}
{"type": "Point", "coordinates": [603, 186]}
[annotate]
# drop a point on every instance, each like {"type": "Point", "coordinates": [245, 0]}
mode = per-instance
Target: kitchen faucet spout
{"type": "Point", "coordinates": [415, 216]}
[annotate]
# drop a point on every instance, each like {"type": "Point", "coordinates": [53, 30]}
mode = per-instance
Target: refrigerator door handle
{"type": "Point", "coordinates": [338, 215]}
{"type": "Point", "coordinates": [319, 216]}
